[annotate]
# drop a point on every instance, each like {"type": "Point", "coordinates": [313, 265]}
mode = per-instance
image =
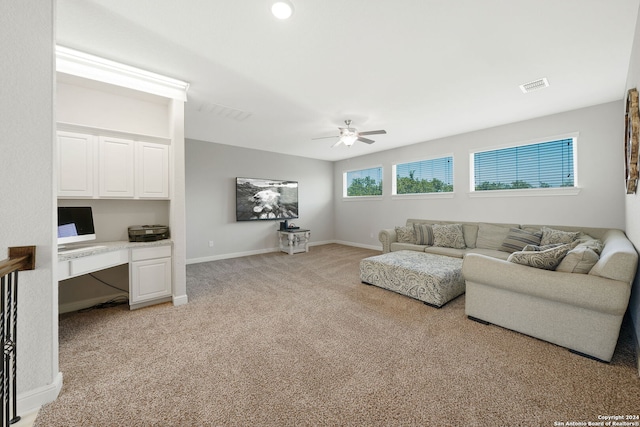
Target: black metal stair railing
{"type": "Point", "coordinates": [20, 258]}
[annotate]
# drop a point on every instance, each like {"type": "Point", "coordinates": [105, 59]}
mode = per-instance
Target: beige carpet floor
{"type": "Point", "coordinates": [279, 340]}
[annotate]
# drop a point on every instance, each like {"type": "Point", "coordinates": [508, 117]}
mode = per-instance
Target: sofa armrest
{"type": "Point", "coordinates": [387, 237]}
{"type": "Point", "coordinates": [583, 290]}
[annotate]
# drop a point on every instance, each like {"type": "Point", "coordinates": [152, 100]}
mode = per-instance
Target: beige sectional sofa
{"type": "Point", "coordinates": [578, 303]}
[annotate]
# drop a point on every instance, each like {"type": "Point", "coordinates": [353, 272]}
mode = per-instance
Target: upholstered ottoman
{"type": "Point", "coordinates": [433, 279]}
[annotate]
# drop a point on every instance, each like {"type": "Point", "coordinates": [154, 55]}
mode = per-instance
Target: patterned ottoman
{"type": "Point", "coordinates": [433, 279]}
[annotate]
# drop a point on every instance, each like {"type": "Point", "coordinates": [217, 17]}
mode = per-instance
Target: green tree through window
{"type": "Point", "coordinates": [425, 176]}
{"type": "Point", "coordinates": [365, 182]}
{"type": "Point", "coordinates": [541, 165]}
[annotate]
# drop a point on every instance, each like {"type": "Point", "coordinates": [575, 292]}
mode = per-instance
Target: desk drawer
{"type": "Point", "coordinates": [98, 262]}
{"type": "Point", "coordinates": [151, 252]}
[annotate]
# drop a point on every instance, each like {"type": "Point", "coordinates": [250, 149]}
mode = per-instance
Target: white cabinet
{"type": "Point", "coordinates": [149, 275]}
{"type": "Point", "coordinates": [108, 167]}
{"type": "Point", "coordinates": [152, 170]}
{"type": "Point", "coordinates": [115, 170]}
{"type": "Point", "coordinates": [75, 164]}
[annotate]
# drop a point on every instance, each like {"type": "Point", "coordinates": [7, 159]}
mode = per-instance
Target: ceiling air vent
{"type": "Point", "coordinates": [224, 111]}
{"type": "Point", "coordinates": [534, 85]}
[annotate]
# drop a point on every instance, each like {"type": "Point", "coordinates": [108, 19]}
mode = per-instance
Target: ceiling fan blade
{"type": "Point", "coordinates": [337, 143]}
{"type": "Point", "coordinates": [325, 137]}
{"type": "Point", "coordinates": [365, 140]}
{"type": "Point", "coordinates": [373, 132]}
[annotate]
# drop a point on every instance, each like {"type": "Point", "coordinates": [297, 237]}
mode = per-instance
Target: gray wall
{"type": "Point", "coordinates": [26, 186]}
{"type": "Point", "coordinates": [211, 170]}
{"type": "Point", "coordinates": [599, 175]}
{"type": "Point", "coordinates": [632, 201]}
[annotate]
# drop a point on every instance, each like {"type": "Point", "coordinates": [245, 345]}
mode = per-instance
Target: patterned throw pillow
{"type": "Point", "coordinates": [550, 236]}
{"type": "Point", "coordinates": [424, 234]}
{"type": "Point", "coordinates": [405, 234]}
{"type": "Point", "coordinates": [579, 260]}
{"type": "Point", "coordinates": [535, 248]}
{"type": "Point", "coordinates": [448, 236]}
{"type": "Point", "coordinates": [518, 238]}
{"type": "Point", "coordinates": [591, 243]}
{"type": "Point", "coordinates": [546, 260]}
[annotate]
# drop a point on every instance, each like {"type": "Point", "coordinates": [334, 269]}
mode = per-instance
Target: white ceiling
{"type": "Point", "coordinates": [421, 69]}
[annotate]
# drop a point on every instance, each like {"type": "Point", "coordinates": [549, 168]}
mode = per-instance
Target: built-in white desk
{"type": "Point", "coordinates": [149, 266]}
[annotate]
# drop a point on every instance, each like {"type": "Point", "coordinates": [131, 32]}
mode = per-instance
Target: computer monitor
{"type": "Point", "coordinates": [75, 224]}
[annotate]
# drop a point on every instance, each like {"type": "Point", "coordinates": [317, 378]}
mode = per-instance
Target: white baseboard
{"type": "Point", "coordinates": [264, 251]}
{"type": "Point", "coordinates": [230, 255]}
{"type": "Point", "coordinates": [359, 245]}
{"type": "Point", "coordinates": [34, 399]}
{"type": "Point", "coordinates": [86, 303]}
{"type": "Point", "coordinates": [180, 300]}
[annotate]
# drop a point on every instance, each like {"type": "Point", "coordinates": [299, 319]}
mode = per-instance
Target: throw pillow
{"type": "Point", "coordinates": [405, 234]}
{"type": "Point", "coordinates": [491, 236]}
{"type": "Point", "coordinates": [578, 260]}
{"type": "Point", "coordinates": [535, 248]}
{"type": "Point", "coordinates": [591, 243]}
{"type": "Point", "coordinates": [424, 234]}
{"type": "Point", "coordinates": [518, 238]}
{"type": "Point", "coordinates": [546, 260]}
{"type": "Point", "coordinates": [550, 236]}
{"type": "Point", "coordinates": [448, 236]}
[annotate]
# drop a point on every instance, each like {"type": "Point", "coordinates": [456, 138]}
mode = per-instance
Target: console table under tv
{"type": "Point", "coordinates": [293, 241]}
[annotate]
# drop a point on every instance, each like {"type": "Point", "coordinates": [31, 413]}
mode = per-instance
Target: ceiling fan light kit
{"type": "Point", "coordinates": [282, 9]}
{"type": "Point", "coordinates": [348, 136]}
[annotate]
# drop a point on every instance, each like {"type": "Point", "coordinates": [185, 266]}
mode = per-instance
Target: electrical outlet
{"type": "Point", "coordinates": [210, 243]}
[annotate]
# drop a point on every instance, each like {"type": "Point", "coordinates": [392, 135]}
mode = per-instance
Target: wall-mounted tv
{"type": "Point", "coordinates": [266, 199]}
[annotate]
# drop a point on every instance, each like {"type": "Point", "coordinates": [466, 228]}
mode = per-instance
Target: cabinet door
{"type": "Point", "coordinates": [152, 170]}
{"type": "Point", "coordinates": [115, 167]}
{"type": "Point", "coordinates": [150, 279]}
{"type": "Point", "coordinates": [75, 164]}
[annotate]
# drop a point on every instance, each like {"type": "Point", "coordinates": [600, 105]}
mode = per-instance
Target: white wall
{"type": "Point", "coordinates": [599, 174]}
{"type": "Point", "coordinates": [78, 100]}
{"type": "Point", "coordinates": [211, 170]}
{"type": "Point", "coordinates": [632, 201]}
{"type": "Point", "coordinates": [26, 185]}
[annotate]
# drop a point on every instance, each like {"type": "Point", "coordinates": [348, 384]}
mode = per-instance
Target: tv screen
{"type": "Point", "coordinates": [75, 224]}
{"type": "Point", "coordinates": [266, 199]}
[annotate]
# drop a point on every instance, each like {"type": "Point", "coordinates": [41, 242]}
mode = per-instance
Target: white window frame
{"type": "Point", "coordinates": [344, 184]}
{"type": "Point", "coordinates": [527, 192]}
{"type": "Point", "coordinates": [445, 195]}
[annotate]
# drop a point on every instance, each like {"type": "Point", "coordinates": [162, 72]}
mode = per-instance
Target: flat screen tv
{"type": "Point", "coordinates": [266, 199]}
{"type": "Point", "coordinates": [75, 224]}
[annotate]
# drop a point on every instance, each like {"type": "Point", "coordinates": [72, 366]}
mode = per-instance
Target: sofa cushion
{"type": "Point", "coordinates": [517, 239]}
{"type": "Point", "coordinates": [396, 246]}
{"type": "Point", "coordinates": [490, 252]}
{"type": "Point", "coordinates": [551, 236]}
{"type": "Point", "coordinates": [547, 259]}
{"type": "Point", "coordinates": [423, 233]}
{"type": "Point", "coordinates": [578, 260]}
{"type": "Point", "coordinates": [470, 232]}
{"type": "Point", "coordinates": [406, 235]}
{"type": "Point", "coordinates": [450, 252]}
{"type": "Point", "coordinates": [448, 236]}
{"type": "Point", "coordinates": [491, 236]}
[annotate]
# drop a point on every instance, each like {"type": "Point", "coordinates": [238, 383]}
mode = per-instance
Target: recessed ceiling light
{"type": "Point", "coordinates": [282, 9]}
{"type": "Point", "coordinates": [534, 85]}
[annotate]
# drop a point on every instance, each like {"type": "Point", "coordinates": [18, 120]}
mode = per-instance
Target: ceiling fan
{"type": "Point", "coordinates": [349, 135]}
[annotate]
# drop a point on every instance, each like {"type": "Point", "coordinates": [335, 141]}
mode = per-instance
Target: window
{"type": "Point", "coordinates": [423, 177]}
{"type": "Point", "coordinates": [364, 182]}
{"type": "Point", "coordinates": [541, 165]}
